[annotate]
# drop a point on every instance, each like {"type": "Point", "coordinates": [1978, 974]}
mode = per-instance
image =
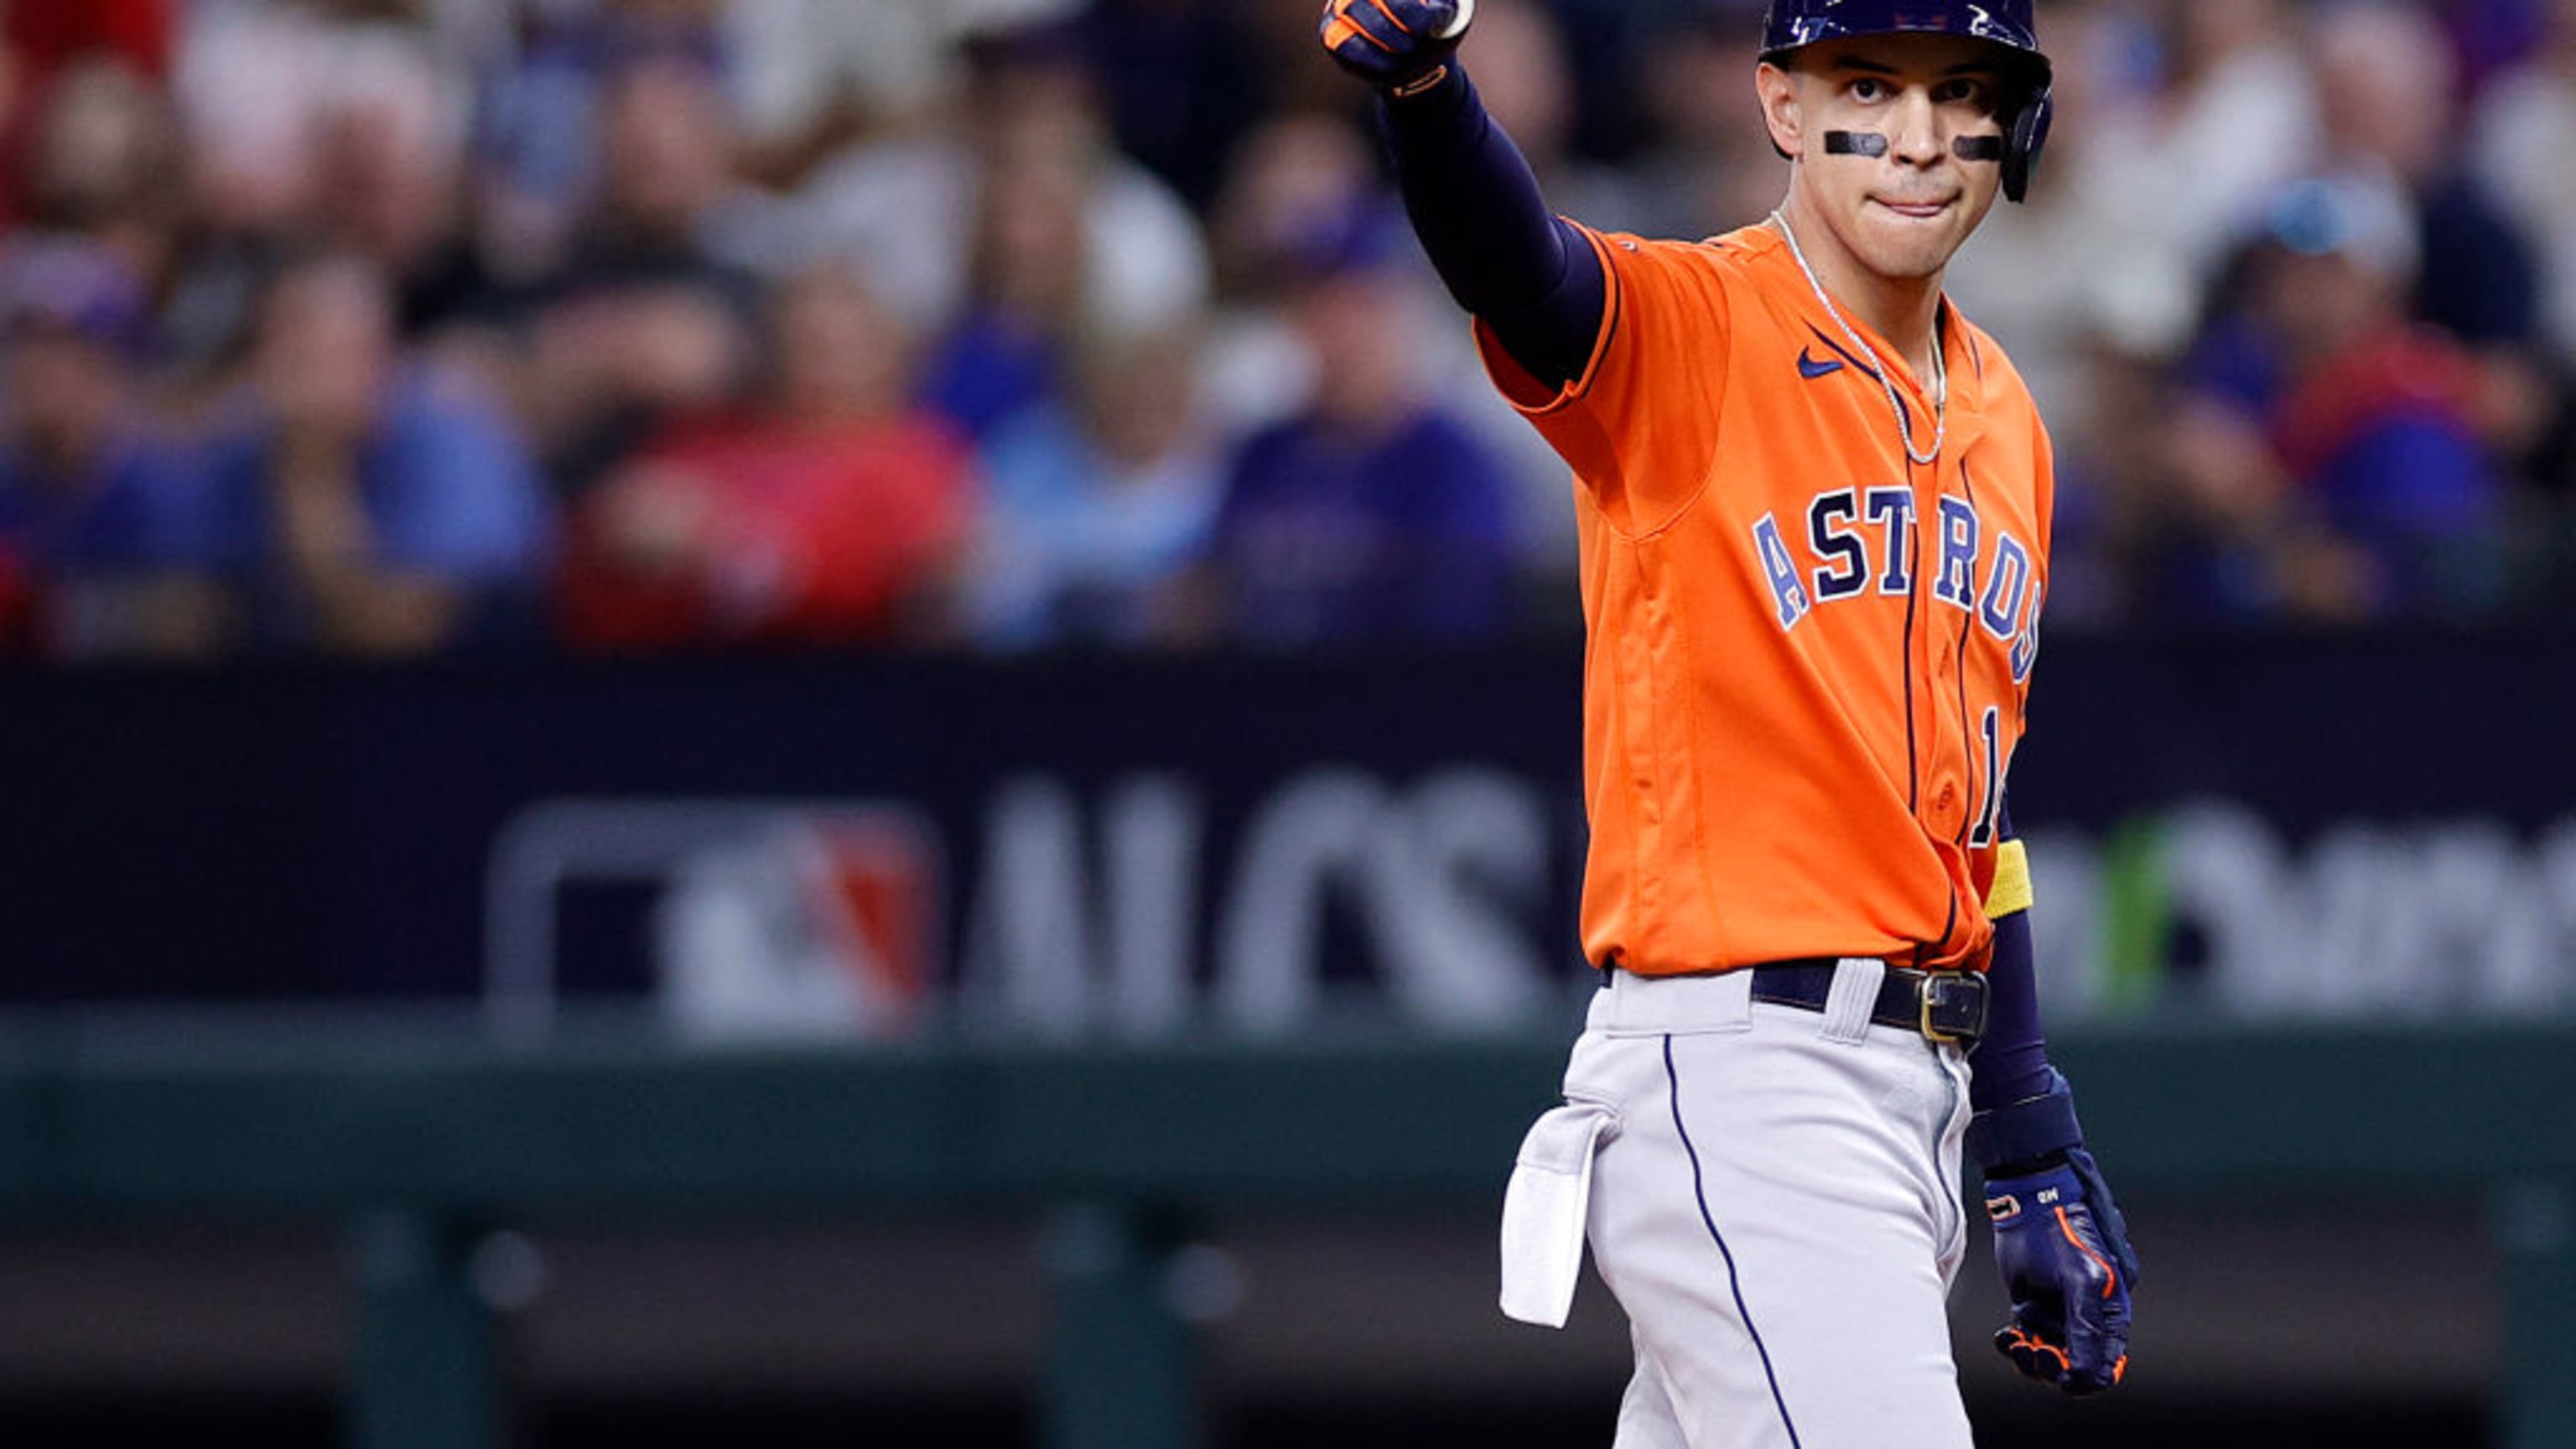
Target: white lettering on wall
{"type": "Point", "coordinates": [2388, 922]}
{"type": "Point", "coordinates": [1087, 912]}
{"type": "Point", "coordinates": [1447, 881]}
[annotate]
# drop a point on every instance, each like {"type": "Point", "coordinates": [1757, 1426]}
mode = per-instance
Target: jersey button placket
{"type": "Point", "coordinates": [1921, 726]}
{"type": "Point", "coordinates": [1937, 648]}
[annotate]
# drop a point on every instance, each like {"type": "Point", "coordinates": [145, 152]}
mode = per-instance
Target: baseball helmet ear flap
{"type": "Point", "coordinates": [2025, 133]}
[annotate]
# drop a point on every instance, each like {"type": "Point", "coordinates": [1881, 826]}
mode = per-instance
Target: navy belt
{"type": "Point", "coordinates": [1945, 1006]}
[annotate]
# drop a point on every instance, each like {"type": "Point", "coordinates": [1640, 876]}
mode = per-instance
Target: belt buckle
{"type": "Point", "coordinates": [1936, 994]}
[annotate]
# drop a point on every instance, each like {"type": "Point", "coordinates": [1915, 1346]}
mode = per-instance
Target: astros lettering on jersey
{"type": "Point", "coordinates": [1809, 659]}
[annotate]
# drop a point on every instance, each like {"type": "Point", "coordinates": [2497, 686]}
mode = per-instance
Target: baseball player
{"type": "Point", "coordinates": [1814, 507]}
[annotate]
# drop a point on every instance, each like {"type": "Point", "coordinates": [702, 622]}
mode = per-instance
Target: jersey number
{"type": "Point", "coordinates": [1992, 728]}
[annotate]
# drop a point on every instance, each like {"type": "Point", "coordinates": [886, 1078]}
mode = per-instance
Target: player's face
{"type": "Point", "coordinates": [1903, 211]}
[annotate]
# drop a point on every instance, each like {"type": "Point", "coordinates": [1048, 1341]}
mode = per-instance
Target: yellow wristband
{"type": "Point", "coordinates": [2011, 889]}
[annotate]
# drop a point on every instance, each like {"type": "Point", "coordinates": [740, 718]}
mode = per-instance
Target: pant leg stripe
{"type": "Point", "coordinates": [1734, 1283]}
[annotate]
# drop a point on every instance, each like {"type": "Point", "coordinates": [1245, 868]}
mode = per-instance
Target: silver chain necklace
{"type": "Point", "coordinates": [1896, 405]}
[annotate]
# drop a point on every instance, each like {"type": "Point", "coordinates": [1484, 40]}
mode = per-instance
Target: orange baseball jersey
{"type": "Point", "coordinates": [1808, 657]}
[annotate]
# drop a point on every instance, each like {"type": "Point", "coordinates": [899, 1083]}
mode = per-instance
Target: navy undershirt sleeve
{"type": "Point", "coordinates": [2010, 1063]}
{"type": "Point", "coordinates": [2011, 1059]}
{"type": "Point", "coordinates": [1529, 275]}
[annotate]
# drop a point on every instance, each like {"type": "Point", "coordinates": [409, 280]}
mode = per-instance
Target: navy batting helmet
{"type": "Point", "coordinates": [2025, 109]}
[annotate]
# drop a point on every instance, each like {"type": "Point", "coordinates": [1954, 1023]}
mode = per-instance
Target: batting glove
{"type": "Point", "coordinates": [2060, 1244]}
{"type": "Point", "coordinates": [1401, 47]}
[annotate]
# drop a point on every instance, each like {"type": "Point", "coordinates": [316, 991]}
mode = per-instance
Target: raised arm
{"type": "Point", "coordinates": [1531, 277]}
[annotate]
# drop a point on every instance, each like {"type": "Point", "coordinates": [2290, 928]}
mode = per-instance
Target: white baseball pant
{"type": "Point", "coordinates": [1772, 1195]}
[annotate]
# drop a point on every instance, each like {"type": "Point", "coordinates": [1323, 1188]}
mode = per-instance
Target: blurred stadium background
{"type": "Point", "coordinates": [842, 721]}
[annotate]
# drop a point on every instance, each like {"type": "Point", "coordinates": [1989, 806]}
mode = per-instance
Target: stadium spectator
{"type": "Point", "coordinates": [1028, 134]}
{"type": "Point", "coordinates": [2227, 115]}
{"type": "Point", "coordinates": [1100, 503]}
{"type": "Point", "coordinates": [569, 195]}
{"type": "Point", "coordinates": [2388, 89]}
{"type": "Point", "coordinates": [2524, 133]}
{"type": "Point", "coordinates": [38, 42]}
{"type": "Point", "coordinates": [648, 317]}
{"type": "Point", "coordinates": [2329, 448]}
{"type": "Point", "coordinates": [258, 87]}
{"type": "Point", "coordinates": [1288, 172]}
{"type": "Point", "coordinates": [833, 511]}
{"type": "Point", "coordinates": [389, 163]}
{"type": "Point", "coordinates": [546, 106]}
{"type": "Point", "coordinates": [99, 516]}
{"type": "Point", "coordinates": [2391, 97]}
{"type": "Point", "coordinates": [359, 503]}
{"type": "Point", "coordinates": [1371, 516]}
{"type": "Point", "coordinates": [1290, 175]}
{"type": "Point", "coordinates": [1006, 351]}
{"type": "Point", "coordinates": [99, 154]}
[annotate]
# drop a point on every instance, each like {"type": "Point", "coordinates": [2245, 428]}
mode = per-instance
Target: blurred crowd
{"type": "Point", "coordinates": [396, 327]}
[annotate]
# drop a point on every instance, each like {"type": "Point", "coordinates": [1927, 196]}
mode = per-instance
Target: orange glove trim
{"type": "Point", "coordinates": [2111, 1275]}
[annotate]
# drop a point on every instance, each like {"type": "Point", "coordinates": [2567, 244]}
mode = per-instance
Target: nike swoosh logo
{"type": "Point", "coordinates": [1811, 369]}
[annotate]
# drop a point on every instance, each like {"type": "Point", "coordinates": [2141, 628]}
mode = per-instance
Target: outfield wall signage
{"type": "Point", "coordinates": [2335, 828]}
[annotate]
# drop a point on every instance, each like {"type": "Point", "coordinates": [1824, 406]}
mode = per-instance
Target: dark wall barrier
{"type": "Point", "coordinates": [868, 843]}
